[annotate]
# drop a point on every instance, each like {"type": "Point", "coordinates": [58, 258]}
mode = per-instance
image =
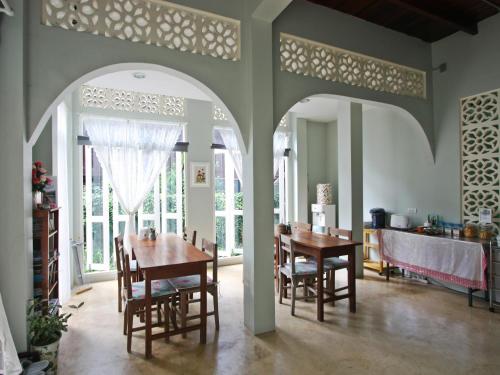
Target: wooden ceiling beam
{"type": "Point", "coordinates": [419, 7]}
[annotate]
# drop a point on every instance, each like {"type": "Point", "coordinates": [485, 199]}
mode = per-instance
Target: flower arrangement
{"type": "Point", "coordinates": [39, 180]}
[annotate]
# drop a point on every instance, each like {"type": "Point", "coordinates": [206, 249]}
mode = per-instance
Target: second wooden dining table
{"type": "Point", "coordinates": [167, 257]}
{"type": "Point", "coordinates": [321, 246]}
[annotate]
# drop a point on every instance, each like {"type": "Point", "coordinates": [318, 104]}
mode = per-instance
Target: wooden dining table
{"type": "Point", "coordinates": [166, 257]}
{"type": "Point", "coordinates": [321, 246]}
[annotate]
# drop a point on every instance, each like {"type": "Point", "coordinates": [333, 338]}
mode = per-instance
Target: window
{"type": "Point", "coordinates": [280, 193]}
{"type": "Point", "coordinates": [104, 218]}
{"type": "Point", "coordinates": [228, 206]}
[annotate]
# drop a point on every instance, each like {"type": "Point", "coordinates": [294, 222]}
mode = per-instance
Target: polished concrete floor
{"type": "Point", "coordinates": [401, 327]}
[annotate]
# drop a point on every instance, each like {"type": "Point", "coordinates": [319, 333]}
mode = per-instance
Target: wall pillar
{"type": "Point", "coordinates": [300, 182]}
{"type": "Point", "coordinates": [258, 275]}
{"type": "Point", "coordinates": [350, 172]}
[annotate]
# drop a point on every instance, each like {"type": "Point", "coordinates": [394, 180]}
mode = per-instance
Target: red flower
{"type": "Point", "coordinates": [48, 181]}
{"type": "Point", "coordinates": [38, 164]}
{"type": "Point", "coordinates": [36, 181]}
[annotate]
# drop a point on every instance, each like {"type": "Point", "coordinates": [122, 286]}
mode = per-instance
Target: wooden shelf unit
{"type": "Point", "coordinates": [376, 265]}
{"type": "Point", "coordinates": [46, 256]}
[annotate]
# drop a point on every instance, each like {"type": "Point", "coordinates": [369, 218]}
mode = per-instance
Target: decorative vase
{"type": "Point", "coordinates": [324, 194]}
{"type": "Point", "coordinates": [37, 198]}
{"type": "Point", "coordinates": [49, 353]}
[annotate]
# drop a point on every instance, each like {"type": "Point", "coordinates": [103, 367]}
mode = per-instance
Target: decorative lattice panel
{"type": "Point", "coordinates": [309, 58]}
{"type": "Point", "coordinates": [218, 113]}
{"type": "Point", "coordinates": [480, 137]}
{"type": "Point", "coordinates": [162, 24]}
{"type": "Point", "coordinates": [131, 101]}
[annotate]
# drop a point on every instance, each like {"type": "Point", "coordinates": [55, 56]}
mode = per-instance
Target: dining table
{"type": "Point", "coordinates": [321, 246]}
{"type": "Point", "coordinates": [166, 257]}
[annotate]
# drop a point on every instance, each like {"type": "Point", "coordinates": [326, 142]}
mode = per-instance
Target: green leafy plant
{"type": "Point", "coordinates": [44, 329]}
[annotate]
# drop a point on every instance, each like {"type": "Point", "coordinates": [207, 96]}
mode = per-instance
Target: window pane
{"type": "Point", "coordinates": [148, 207]}
{"type": "Point", "coordinates": [148, 223]}
{"type": "Point", "coordinates": [220, 196]}
{"type": "Point", "coordinates": [171, 183]}
{"type": "Point", "coordinates": [96, 186]}
{"type": "Point", "coordinates": [171, 225]}
{"type": "Point", "coordinates": [276, 195]}
{"type": "Point", "coordinates": [220, 232]}
{"type": "Point", "coordinates": [238, 193]}
{"type": "Point", "coordinates": [121, 227]}
{"type": "Point", "coordinates": [97, 242]}
{"type": "Point", "coordinates": [238, 232]}
{"type": "Point", "coordinates": [276, 219]}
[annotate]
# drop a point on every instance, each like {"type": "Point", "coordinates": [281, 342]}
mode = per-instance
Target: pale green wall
{"type": "Point", "coordinates": [42, 150]}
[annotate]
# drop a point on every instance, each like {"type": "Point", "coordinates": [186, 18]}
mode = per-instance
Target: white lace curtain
{"type": "Point", "coordinates": [280, 143]}
{"type": "Point", "coordinates": [230, 141]}
{"type": "Point", "coordinates": [132, 154]}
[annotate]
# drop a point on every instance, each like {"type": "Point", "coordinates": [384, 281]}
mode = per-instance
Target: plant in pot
{"type": "Point", "coordinates": [39, 181]}
{"type": "Point", "coordinates": [45, 330]}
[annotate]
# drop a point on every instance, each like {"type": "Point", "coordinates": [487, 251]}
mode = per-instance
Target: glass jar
{"type": "Point", "coordinates": [486, 231]}
{"type": "Point", "coordinates": [470, 230]}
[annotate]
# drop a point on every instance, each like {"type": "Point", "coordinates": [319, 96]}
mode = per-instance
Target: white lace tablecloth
{"type": "Point", "coordinates": [459, 262]}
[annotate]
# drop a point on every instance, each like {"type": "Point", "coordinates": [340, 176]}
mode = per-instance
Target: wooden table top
{"type": "Point", "coordinates": [320, 241]}
{"type": "Point", "coordinates": [166, 250]}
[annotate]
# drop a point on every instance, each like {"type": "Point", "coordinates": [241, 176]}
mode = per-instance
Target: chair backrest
{"type": "Point", "coordinates": [211, 249]}
{"type": "Point", "coordinates": [118, 243]}
{"type": "Point", "coordinates": [189, 236]}
{"type": "Point", "coordinates": [304, 227]}
{"type": "Point", "coordinates": [344, 234]}
{"type": "Point", "coordinates": [287, 245]}
{"type": "Point", "coordinates": [126, 273]}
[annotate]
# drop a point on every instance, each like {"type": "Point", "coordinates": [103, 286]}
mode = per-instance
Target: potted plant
{"type": "Point", "coordinates": [45, 330]}
{"type": "Point", "coordinates": [39, 181]}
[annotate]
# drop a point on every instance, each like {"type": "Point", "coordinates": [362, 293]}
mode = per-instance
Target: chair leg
{"type": "Point", "coordinates": [216, 308]}
{"type": "Point", "coordinates": [184, 302]}
{"type": "Point", "coordinates": [130, 320]}
{"type": "Point", "coordinates": [167, 320]}
{"type": "Point", "coordinates": [285, 291]}
{"type": "Point", "coordinates": [294, 289]}
{"type": "Point", "coordinates": [332, 280]}
{"type": "Point", "coordinates": [280, 286]}
{"type": "Point", "coordinates": [158, 311]}
{"type": "Point", "coordinates": [119, 294]}
{"type": "Point", "coordinates": [125, 314]}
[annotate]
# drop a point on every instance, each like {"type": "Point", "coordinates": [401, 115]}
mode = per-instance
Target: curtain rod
{"type": "Point", "coordinates": [82, 140]}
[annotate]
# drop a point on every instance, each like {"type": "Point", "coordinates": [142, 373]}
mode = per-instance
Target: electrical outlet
{"type": "Point", "coordinates": [412, 211]}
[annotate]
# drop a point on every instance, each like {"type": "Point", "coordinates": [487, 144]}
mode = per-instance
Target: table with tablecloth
{"type": "Point", "coordinates": [458, 261]}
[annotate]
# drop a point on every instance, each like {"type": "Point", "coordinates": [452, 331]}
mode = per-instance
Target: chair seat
{"type": "Point", "coordinates": [335, 263]}
{"type": "Point", "coordinates": [159, 288]}
{"type": "Point", "coordinates": [301, 268]}
{"type": "Point", "coordinates": [133, 266]}
{"type": "Point", "coordinates": [188, 282]}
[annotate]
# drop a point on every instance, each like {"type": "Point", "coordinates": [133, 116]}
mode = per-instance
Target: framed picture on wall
{"type": "Point", "coordinates": [200, 174]}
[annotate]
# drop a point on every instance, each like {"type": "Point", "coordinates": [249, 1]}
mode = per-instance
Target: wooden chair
{"type": "Point", "coordinates": [334, 263]}
{"type": "Point", "coordinates": [162, 293]}
{"type": "Point", "coordinates": [304, 227]}
{"type": "Point", "coordinates": [295, 272]}
{"type": "Point", "coordinates": [186, 286]}
{"type": "Point", "coordinates": [189, 236]}
{"type": "Point", "coordinates": [119, 269]}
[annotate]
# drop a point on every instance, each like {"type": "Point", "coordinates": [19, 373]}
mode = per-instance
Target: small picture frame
{"type": "Point", "coordinates": [200, 174]}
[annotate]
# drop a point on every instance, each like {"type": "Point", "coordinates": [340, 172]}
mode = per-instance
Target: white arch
{"type": "Point", "coordinates": [411, 119]}
{"type": "Point", "coordinates": [135, 66]}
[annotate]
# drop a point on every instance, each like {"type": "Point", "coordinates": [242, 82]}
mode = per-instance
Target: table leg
{"type": "Point", "coordinates": [352, 280]}
{"type": "Point", "coordinates": [470, 296]}
{"type": "Point", "coordinates": [203, 303]}
{"type": "Point", "coordinates": [148, 301]}
{"type": "Point", "coordinates": [319, 285]}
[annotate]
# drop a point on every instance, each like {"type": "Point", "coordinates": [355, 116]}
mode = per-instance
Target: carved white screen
{"type": "Point", "coordinates": [480, 153]}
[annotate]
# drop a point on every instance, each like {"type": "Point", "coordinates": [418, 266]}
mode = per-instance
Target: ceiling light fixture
{"type": "Point", "coordinates": [139, 75]}
{"type": "Point", "coordinates": [305, 100]}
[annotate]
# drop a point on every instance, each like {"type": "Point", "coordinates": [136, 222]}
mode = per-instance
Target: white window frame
{"type": "Point", "coordinates": [179, 178]}
{"type": "Point", "coordinates": [230, 212]}
{"type": "Point", "coordinates": [281, 209]}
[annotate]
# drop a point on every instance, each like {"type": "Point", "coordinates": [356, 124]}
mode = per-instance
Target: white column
{"type": "Point", "coordinates": [258, 184]}
{"type": "Point", "coordinates": [299, 155]}
{"type": "Point", "coordinates": [350, 170]}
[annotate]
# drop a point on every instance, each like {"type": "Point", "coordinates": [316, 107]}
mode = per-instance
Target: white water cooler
{"type": "Point", "coordinates": [323, 216]}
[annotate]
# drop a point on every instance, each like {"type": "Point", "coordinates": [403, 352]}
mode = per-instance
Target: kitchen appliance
{"type": "Point", "coordinates": [378, 218]}
{"type": "Point", "coordinates": [400, 221]}
{"type": "Point", "coordinates": [323, 216]}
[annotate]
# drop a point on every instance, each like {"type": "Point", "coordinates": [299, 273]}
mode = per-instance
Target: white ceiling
{"type": "Point", "coordinates": [322, 108]}
{"type": "Point", "coordinates": [154, 83]}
